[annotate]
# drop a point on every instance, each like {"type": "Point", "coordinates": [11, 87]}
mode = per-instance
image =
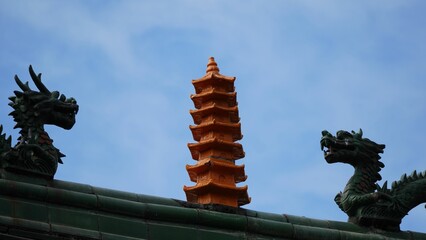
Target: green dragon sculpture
{"type": "Point", "coordinates": [34, 153]}
{"type": "Point", "coordinates": [364, 201]}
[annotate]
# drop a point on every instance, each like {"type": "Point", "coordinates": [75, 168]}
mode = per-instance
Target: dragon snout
{"type": "Point", "coordinates": [325, 139]}
{"type": "Point", "coordinates": [325, 133]}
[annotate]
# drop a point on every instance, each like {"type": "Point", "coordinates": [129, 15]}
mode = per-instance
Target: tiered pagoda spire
{"type": "Point", "coordinates": [216, 131]}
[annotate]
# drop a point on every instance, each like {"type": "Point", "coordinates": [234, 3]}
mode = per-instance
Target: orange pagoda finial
{"type": "Point", "coordinates": [216, 131]}
{"type": "Point", "coordinates": [212, 66]}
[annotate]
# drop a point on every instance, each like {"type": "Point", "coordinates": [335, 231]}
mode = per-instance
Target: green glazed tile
{"type": "Point", "coordinates": [31, 211]}
{"type": "Point", "coordinates": [168, 231]}
{"type": "Point", "coordinates": [73, 218]}
{"type": "Point", "coordinates": [129, 227]}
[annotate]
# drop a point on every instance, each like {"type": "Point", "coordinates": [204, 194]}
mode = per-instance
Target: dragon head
{"type": "Point", "coordinates": [43, 107]}
{"type": "Point", "coordinates": [350, 148]}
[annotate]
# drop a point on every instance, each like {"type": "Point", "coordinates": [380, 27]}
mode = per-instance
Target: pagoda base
{"type": "Point", "coordinates": [214, 193]}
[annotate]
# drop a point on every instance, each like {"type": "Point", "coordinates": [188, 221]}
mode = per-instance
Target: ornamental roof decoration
{"type": "Point", "coordinates": [35, 154]}
{"type": "Point", "coordinates": [216, 131]}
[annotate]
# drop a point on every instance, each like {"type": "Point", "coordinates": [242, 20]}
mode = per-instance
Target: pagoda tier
{"type": "Point", "coordinates": [226, 112]}
{"type": "Point", "coordinates": [218, 128]}
{"type": "Point", "coordinates": [222, 83]}
{"type": "Point", "coordinates": [206, 96]}
{"type": "Point", "coordinates": [203, 167]}
{"type": "Point", "coordinates": [217, 148]}
{"type": "Point", "coordinates": [216, 193]}
{"type": "Point", "coordinates": [216, 131]}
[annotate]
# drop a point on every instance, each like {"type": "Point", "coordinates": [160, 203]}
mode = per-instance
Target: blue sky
{"type": "Point", "coordinates": [301, 67]}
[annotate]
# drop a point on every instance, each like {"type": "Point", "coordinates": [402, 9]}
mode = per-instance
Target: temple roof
{"type": "Point", "coordinates": [54, 209]}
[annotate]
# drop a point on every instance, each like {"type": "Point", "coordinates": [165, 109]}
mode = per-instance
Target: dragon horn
{"type": "Point", "coordinates": [358, 134]}
{"type": "Point", "coordinates": [24, 87]}
{"type": "Point", "coordinates": [37, 81]}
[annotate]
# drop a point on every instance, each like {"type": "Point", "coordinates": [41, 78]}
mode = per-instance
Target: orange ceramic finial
{"type": "Point", "coordinates": [212, 66]}
{"type": "Point", "coordinates": [217, 129]}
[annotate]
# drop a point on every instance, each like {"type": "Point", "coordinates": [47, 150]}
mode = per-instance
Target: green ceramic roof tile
{"type": "Point", "coordinates": [222, 220]}
{"type": "Point", "coordinates": [24, 190]}
{"type": "Point", "coordinates": [346, 226]}
{"type": "Point", "coordinates": [157, 200]}
{"type": "Point", "coordinates": [360, 236]}
{"type": "Point", "coordinates": [248, 212]}
{"type": "Point", "coordinates": [130, 227]}
{"type": "Point", "coordinates": [107, 236]}
{"type": "Point", "coordinates": [397, 235]}
{"type": "Point", "coordinates": [20, 234]}
{"type": "Point", "coordinates": [260, 237]}
{"type": "Point", "coordinates": [6, 207]}
{"type": "Point", "coordinates": [270, 227]}
{"type": "Point", "coordinates": [31, 211]}
{"type": "Point", "coordinates": [120, 206]}
{"type": "Point", "coordinates": [222, 235]}
{"type": "Point", "coordinates": [75, 187]}
{"type": "Point", "coordinates": [24, 223]}
{"type": "Point", "coordinates": [306, 232]}
{"type": "Point", "coordinates": [71, 232]}
{"type": "Point", "coordinates": [9, 237]}
{"type": "Point", "coordinates": [318, 223]}
{"type": "Point", "coordinates": [406, 235]}
{"type": "Point", "coordinates": [71, 198]}
{"type": "Point", "coordinates": [416, 235]}
{"type": "Point", "coordinates": [115, 194]}
{"type": "Point", "coordinates": [168, 231]}
{"type": "Point", "coordinates": [32, 235]}
{"type": "Point", "coordinates": [172, 214]}
{"type": "Point", "coordinates": [74, 218]}
{"type": "Point", "coordinates": [307, 221]}
{"type": "Point", "coordinates": [271, 216]}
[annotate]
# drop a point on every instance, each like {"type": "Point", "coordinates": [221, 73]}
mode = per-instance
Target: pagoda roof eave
{"type": "Point", "coordinates": [230, 128]}
{"type": "Point", "coordinates": [199, 98]}
{"type": "Point", "coordinates": [214, 92]}
{"type": "Point", "coordinates": [214, 75]}
{"type": "Point", "coordinates": [205, 187]}
{"type": "Point", "coordinates": [215, 107]}
{"type": "Point", "coordinates": [197, 114]}
{"type": "Point", "coordinates": [213, 187]}
{"type": "Point", "coordinates": [196, 148]}
{"type": "Point", "coordinates": [223, 165]}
